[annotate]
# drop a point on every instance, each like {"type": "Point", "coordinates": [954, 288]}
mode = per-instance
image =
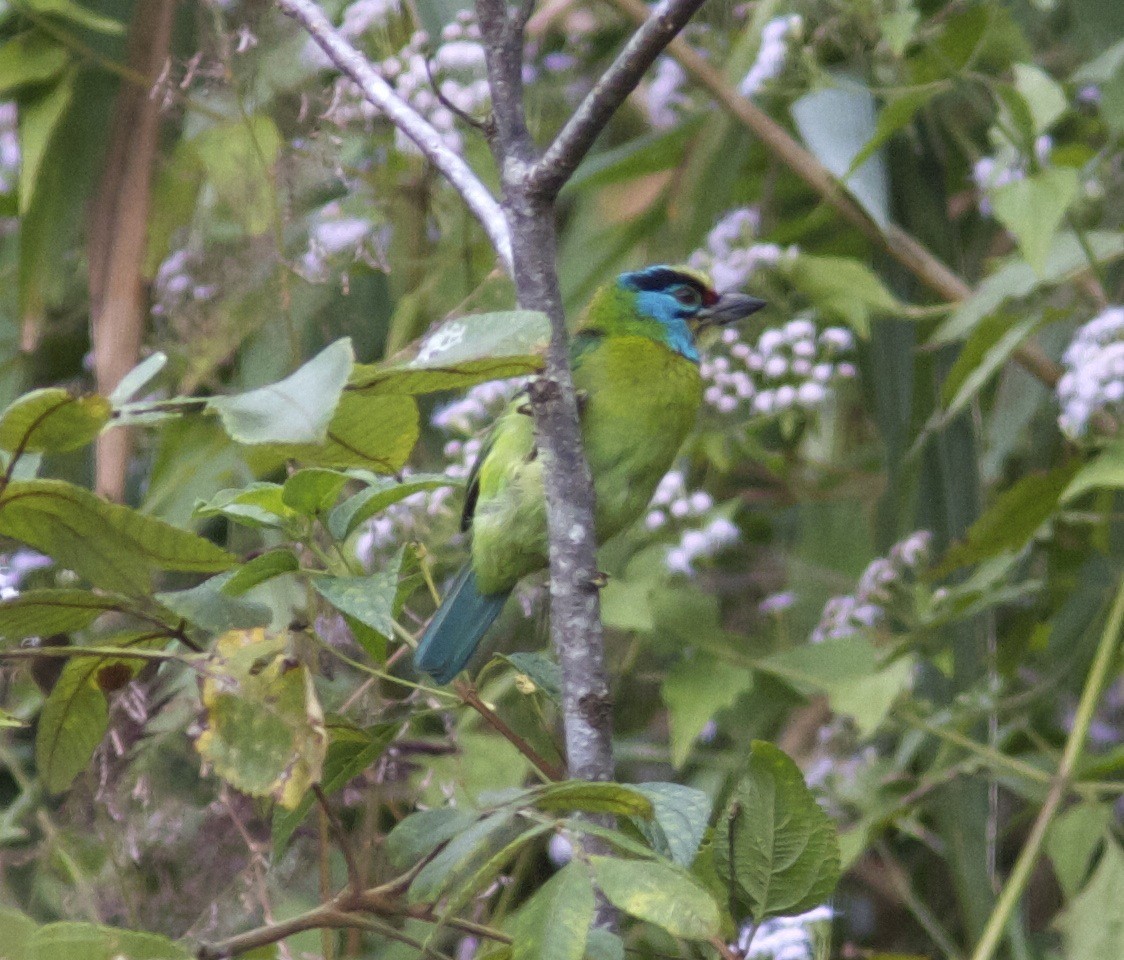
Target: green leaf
{"type": "Point", "coordinates": [465, 854]}
{"type": "Point", "coordinates": [1104, 472]}
{"type": "Point", "coordinates": [265, 731]}
{"type": "Point", "coordinates": [640, 157]}
{"type": "Point", "coordinates": [7, 722]}
{"type": "Point", "coordinates": [1112, 102]}
{"type": "Point", "coordinates": [39, 118]}
{"type": "Point", "coordinates": [775, 848]}
{"type": "Point", "coordinates": [36, 613]}
{"type": "Point", "coordinates": [891, 118]}
{"type": "Point", "coordinates": [660, 894]}
{"type": "Point", "coordinates": [313, 490]}
{"type": "Point", "coordinates": [370, 599]}
{"type": "Point", "coordinates": [850, 671]}
{"type": "Point", "coordinates": [462, 352]}
{"type": "Point", "coordinates": [1015, 278]}
{"type": "Point", "coordinates": [138, 378]}
{"type": "Point", "coordinates": [681, 815]}
{"type": "Point", "coordinates": [1093, 923]}
{"type": "Point", "coordinates": [30, 58]}
{"type": "Point", "coordinates": [1044, 97]}
{"type": "Point", "coordinates": [257, 504]}
{"type": "Point", "coordinates": [263, 567]}
{"type": "Point", "coordinates": [85, 941]}
{"type": "Point", "coordinates": [604, 945]}
{"type": "Point", "coordinates": [988, 349]}
{"type": "Point", "coordinates": [75, 715]}
{"type": "Point", "coordinates": [418, 835]}
{"type": "Point", "coordinates": [210, 607]}
{"type": "Point", "coordinates": [111, 545]}
{"type": "Point", "coordinates": [537, 672]}
{"type": "Point", "coordinates": [380, 494]}
{"type": "Point", "coordinates": [1010, 522]}
{"type": "Point", "coordinates": [695, 690]}
{"type": "Point", "coordinates": [238, 159]}
{"type": "Point", "coordinates": [554, 923]}
{"type": "Point", "coordinates": [844, 289]}
{"type": "Point", "coordinates": [1033, 209]}
{"type": "Point", "coordinates": [350, 752]}
{"type": "Point", "coordinates": [589, 797]}
{"type": "Point", "coordinates": [377, 432]}
{"type": "Point", "coordinates": [295, 410]}
{"type": "Point", "coordinates": [1074, 838]}
{"type": "Point", "coordinates": [16, 930]}
{"type": "Point", "coordinates": [52, 421]}
{"type": "Point", "coordinates": [837, 123]}
{"type": "Point", "coordinates": [77, 14]}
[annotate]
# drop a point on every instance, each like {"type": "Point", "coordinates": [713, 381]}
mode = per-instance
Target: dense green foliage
{"type": "Point", "coordinates": [892, 546]}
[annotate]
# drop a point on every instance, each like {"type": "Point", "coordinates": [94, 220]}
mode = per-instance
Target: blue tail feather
{"type": "Point", "coordinates": [456, 629]}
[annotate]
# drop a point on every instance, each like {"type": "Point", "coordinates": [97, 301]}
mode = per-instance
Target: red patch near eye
{"type": "Point", "coordinates": [710, 298]}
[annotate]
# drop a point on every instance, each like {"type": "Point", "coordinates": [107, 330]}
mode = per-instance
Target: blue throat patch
{"type": "Point", "coordinates": [666, 309]}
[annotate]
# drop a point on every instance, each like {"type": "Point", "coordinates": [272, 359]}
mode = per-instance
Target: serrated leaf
{"type": "Point", "coordinates": [52, 421]}
{"type": "Point", "coordinates": [775, 848]}
{"type": "Point", "coordinates": [258, 504]}
{"type": "Point", "coordinates": [418, 835]}
{"type": "Point", "coordinates": [210, 607]}
{"type": "Point", "coordinates": [1093, 923]}
{"type": "Point", "coordinates": [464, 855]}
{"type": "Point", "coordinates": [346, 518]}
{"type": "Point", "coordinates": [265, 566]}
{"type": "Point", "coordinates": [659, 894]}
{"type": "Point", "coordinates": [350, 752]}
{"type": "Point", "coordinates": [313, 490]}
{"type": "Point", "coordinates": [29, 58]}
{"type": "Point", "coordinates": [75, 715]}
{"type": "Point", "coordinates": [581, 795]}
{"type": "Point", "coordinates": [36, 613]}
{"type": "Point", "coordinates": [265, 731]}
{"type": "Point", "coordinates": [110, 545]}
{"type": "Point", "coordinates": [369, 599]}
{"type": "Point", "coordinates": [77, 14]}
{"type": "Point", "coordinates": [844, 289]}
{"type": "Point", "coordinates": [694, 691]}
{"type": "Point", "coordinates": [1032, 210]}
{"type": "Point", "coordinates": [554, 923]}
{"type": "Point", "coordinates": [1014, 517]}
{"type": "Point", "coordinates": [39, 118]}
{"type": "Point", "coordinates": [296, 410]}
{"type": "Point", "coordinates": [679, 822]}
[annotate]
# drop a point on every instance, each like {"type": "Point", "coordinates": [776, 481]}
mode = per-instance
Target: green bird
{"type": "Point", "coordinates": [636, 369]}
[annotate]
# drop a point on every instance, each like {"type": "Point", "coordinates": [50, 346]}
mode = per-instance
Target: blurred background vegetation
{"type": "Point", "coordinates": [890, 546]}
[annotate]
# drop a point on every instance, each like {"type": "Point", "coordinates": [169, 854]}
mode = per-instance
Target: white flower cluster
{"type": "Point", "coordinates": [846, 615]}
{"type": "Point", "coordinates": [793, 367]}
{"type": "Point", "coordinates": [664, 96]}
{"type": "Point", "coordinates": [783, 938]}
{"type": "Point", "coordinates": [457, 68]}
{"type": "Point", "coordinates": [673, 503]}
{"type": "Point", "coordinates": [772, 53]}
{"type": "Point", "coordinates": [1007, 166]}
{"type": "Point", "coordinates": [732, 255]}
{"type": "Point", "coordinates": [176, 286]}
{"type": "Point", "coordinates": [14, 567]}
{"type": "Point", "coordinates": [1094, 379]}
{"type": "Point", "coordinates": [332, 234]}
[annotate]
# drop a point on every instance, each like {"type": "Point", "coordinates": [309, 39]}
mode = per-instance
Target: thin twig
{"type": "Point", "coordinates": [469, 695]}
{"type": "Point", "coordinates": [355, 878]}
{"type": "Point", "coordinates": [381, 95]}
{"type": "Point", "coordinates": [562, 157]}
{"type": "Point", "coordinates": [893, 240]}
{"type": "Point", "coordinates": [1105, 656]}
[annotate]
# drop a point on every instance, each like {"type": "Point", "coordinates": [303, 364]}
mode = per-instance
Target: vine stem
{"type": "Point", "coordinates": [1107, 649]}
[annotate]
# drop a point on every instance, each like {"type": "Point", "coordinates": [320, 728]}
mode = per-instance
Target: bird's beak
{"type": "Point", "coordinates": [729, 308]}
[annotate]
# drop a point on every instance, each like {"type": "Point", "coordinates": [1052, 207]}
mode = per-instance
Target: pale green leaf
{"type": "Point", "coordinates": [536, 673]}
{"type": "Point", "coordinates": [109, 544]}
{"type": "Point", "coordinates": [258, 504]}
{"type": "Point", "coordinates": [377, 432]}
{"type": "Point", "coordinates": [1074, 838]}
{"type": "Point", "coordinates": [843, 289]}
{"type": "Point", "coordinates": [379, 495]}
{"type": "Point", "coordinates": [295, 410]}
{"type": "Point", "coordinates": [78, 14]}
{"type": "Point", "coordinates": [681, 815]}
{"type": "Point", "coordinates": [313, 490]}
{"type": "Point", "coordinates": [419, 834]}
{"type": "Point", "coordinates": [1104, 472]}
{"type": "Point", "coordinates": [695, 690]}
{"type": "Point", "coordinates": [660, 894]}
{"type": "Point", "coordinates": [775, 848]}
{"type": "Point", "coordinates": [1032, 210]}
{"type": "Point", "coordinates": [39, 118]}
{"type": "Point", "coordinates": [238, 159]}
{"type": "Point", "coordinates": [52, 421]}
{"type": "Point", "coordinates": [137, 379]}
{"type": "Point", "coordinates": [580, 795]}
{"type": "Point", "coordinates": [894, 116]}
{"type": "Point", "coordinates": [1044, 97]}
{"type": "Point", "coordinates": [465, 854]}
{"type": "Point", "coordinates": [1093, 923]}
{"type": "Point", "coordinates": [1112, 101]}
{"type": "Point", "coordinates": [554, 923]}
{"type": "Point", "coordinates": [210, 607]}
{"type": "Point", "coordinates": [368, 599]}
{"type": "Point", "coordinates": [29, 58]}
{"type": "Point", "coordinates": [86, 941]}
{"type": "Point", "coordinates": [36, 613]}
{"type": "Point", "coordinates": [16, 930]}
{"type": "Point", "coordinates": [263, 567]}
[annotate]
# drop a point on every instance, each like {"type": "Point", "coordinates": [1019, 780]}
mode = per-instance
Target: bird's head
{"type": "Point", "coordinates": [668, 304]}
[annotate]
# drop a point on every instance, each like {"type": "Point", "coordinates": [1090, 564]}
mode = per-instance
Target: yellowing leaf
{"type": "Point", "coordinates": [265, 730]}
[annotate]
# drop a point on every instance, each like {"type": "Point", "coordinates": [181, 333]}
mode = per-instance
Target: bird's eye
{"type": "Point", "coordinates": [688, 296]}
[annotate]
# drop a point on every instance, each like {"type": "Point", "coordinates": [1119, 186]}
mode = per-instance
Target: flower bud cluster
{"type": "Point", "coordinates": [732, 254]}
{"type": "Point", "coordinates": [1094, 379]}
{"type": "Point", "coordinates": [665, 96]}
{"type": "Point", "coordinates": [794, 367]}
{"type": "Point", "coordinates": [846, 615]}
{"type": "Point", "coordinates": [771, 55]}
{"type": "Point", "coordinates": [686, 511]}
{"type": "Point", "coordinates": [783, 938]}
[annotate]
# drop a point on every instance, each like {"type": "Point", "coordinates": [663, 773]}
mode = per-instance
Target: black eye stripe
{"type": "Point", "coordinates": [663, 278]}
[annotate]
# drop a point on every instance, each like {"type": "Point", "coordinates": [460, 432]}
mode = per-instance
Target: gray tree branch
{"type": "Point", "coordinates": [352, 64]}
{"type": "Point", "coordinates": [562, 157]}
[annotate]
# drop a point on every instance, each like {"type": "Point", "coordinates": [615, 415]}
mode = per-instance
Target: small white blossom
{"type": "Point", "coordinates": [664, 96]}
{"type": "Point", "coordinates": [783, 938]}
{"type": "Point", "coordinates": [1093, 383]}
{"type": "Point", "coordinates": [772, 53]}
